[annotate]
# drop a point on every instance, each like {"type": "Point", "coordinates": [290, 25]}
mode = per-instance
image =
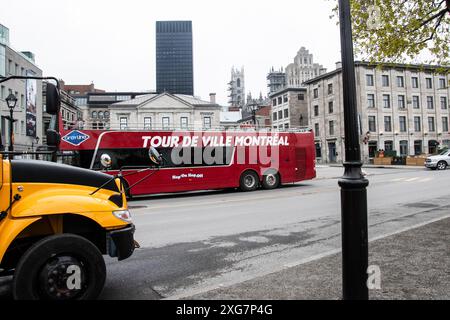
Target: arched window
{"type": "Point", "coordinates": [94, 114]}
{"type": "Point", "coordinates": [100, 115]}
{"type": "Point", "coordinates": [106, 114]}
{"type": "Point", "coordinates": [238, 83]}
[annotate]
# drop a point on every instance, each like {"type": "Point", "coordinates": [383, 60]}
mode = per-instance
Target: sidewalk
{"type": "Point", "coordinates": [340, 165]}
{"type": "Point", "coordinates": [414, 264]}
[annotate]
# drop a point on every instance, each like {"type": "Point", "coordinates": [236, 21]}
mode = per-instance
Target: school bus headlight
{"type": "Point", "coordinates": [124, 215]}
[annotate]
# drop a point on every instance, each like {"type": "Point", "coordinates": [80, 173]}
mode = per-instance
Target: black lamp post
{"type": "Point", "coordinates": [253, 109]}
{"type": "Point", "coordinates": [11, 101]}
{"type": "Point", "coordinates": [353, 184]}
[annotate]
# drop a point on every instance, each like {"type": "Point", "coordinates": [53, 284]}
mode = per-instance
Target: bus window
{"type": "Point", "coordinates": [173, 157]}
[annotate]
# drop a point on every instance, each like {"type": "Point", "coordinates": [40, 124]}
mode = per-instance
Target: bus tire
{"type": "Point", "coordinates": [60, 267]}
{"type": "Point", "coordinates": [271, 181]}
{"type": "Point", "coordinates": [249, 181]}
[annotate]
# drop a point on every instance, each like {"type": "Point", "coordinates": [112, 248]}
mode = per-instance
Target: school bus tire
{"type": "Point", "coordinates": [48, 269]}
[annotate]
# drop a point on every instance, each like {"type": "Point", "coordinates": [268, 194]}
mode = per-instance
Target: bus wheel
{"type": "Point", "coordinates": [271, 181]}
{"type": "Point", "coordinates": [249, 181]}
{"type": "Point", "coordinates": [60, 267]}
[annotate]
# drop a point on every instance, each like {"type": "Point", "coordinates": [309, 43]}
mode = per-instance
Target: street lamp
{"type": "Point", "coordinates": [253, 109]}
{"type": "Point", "coordinates": [33, 142]}
{"type": "Point", "coordinates": [353, 184]}
{"type": "Point", "coordinates": [11, 101]}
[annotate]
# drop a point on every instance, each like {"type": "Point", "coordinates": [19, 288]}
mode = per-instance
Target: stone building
{"type": "Point", "coordinates": [276, 80]}
{"type": "Point", "coordinates": [237, 88]}
{"type": "Point", "coordinates": [402, 108]}
{"type": "Point", "coordinates": [302, 69]}
{"type": "Point", "coordinates": [165, 111]}
{"type": "Point", "coordinates": [289, 108]}
{"type": "Point", "coordinates": [28, 110]}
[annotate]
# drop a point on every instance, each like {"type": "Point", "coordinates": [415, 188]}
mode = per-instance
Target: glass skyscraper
{"type": "Point", "coordinates": [174, 62]}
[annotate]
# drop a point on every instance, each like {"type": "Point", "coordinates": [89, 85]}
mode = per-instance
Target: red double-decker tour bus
{"type": "Point", "coordinates": [194, 160]}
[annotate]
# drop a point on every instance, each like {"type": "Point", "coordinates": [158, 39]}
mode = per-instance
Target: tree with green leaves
{"type": "Point", "coordinates": [400, 31]}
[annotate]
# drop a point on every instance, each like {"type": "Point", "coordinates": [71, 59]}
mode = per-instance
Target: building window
{"type": "Point", "coordinates": [430, 102]}
{"type": "Point", "coordinates": [286, 113]}
{"type": "Point", "coordinates": [443, 102]}
{"type": "Point", "coordinates": [417, 147]}
{"type": "Point", "coordinates": [207, 122]}
{"type": "Point", "coordinates": [316, 111]}
{"type": "Point", "coordinates": [415, 82]}
{"type": "Point", "coordinates": [280, 114]}
{"type": "Point", "coordinates": [316, 130]}
{"type": "Point", "coordinates": [318, 151]}
{"type": "Point", "coordinates": [417, 124]}
{"type": "Point", "coordinates": [431, 127]}
{"type": "Point", "coordinates": [285, 98]}
{"type": "Point", "coordinates": [286, 125]}
{"type": "Point", "coordinates": [445, 124]}
{"type": "Point", "coordinates": [94, 114]}
{"type": "Point", "coordinates": [106, 115]}
{"type": "Point", "coordinates": [280, 100]}
{"type": "Point", "coordinates": [401, 102]}
{"type": "Point", "coordinates": [100, 115]}
{"type": "Point", "coordinates": [403, 148]}
{"type": "Point", "coordinates": [123, 123]}
{"type": "Point", "coordinates": [274, 116]}
{"type": "Point", "coordinates": [330, 107]}
{"type": "Point", "coordinates": [369, 80]}
{"type": "Point", "coordinates": [147, 123]}
{"type": "Point", "coordinates": [316, 93]}
{"type": "Point", "coordinates": [386, 101]}
{"type": "Point", "coordinates": [330, 88]}
{"type": "Point", "coordinates": [184, 122]}
{"type": "Point", "coordinates": [166, 123]}
{"type": "Point", "coordinates": [387, 124]}
{"type": "Point", "coordinates": [402, 123]}
{"type": "Point", "coordinates": [400, 82]}
{"type": "Point", "coordinates": [372, 124]}
{"type": "Point", "coordinates": [331, 127]}
{"type": "Point", "coordinates": [238, 84]}
{"type": "Point", "coordinates": [388, 145]}
{"type": "Point", "coordinates": [441, 83]}
{"type": "Point", "coordinates": [2, 92]}
{"type": "Point", "coordinates": [385, 80]}
{"type": "Point", "coordinates": [416, 102]}
{"type": "Point", "coordinates": [301, 97]}
{"type": "Point", "coordinates": [274, 102]}
{"type": "Point", "coordinates": [429, 83]}
{"type": "Point", "coordinates": [371, 100]}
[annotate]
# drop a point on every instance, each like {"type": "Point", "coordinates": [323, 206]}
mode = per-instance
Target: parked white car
{"type": "Point", "coordinates": [440, 161]}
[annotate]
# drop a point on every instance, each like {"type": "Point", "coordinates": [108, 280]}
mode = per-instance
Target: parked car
{"type": "Point", "coordinates": [440, 161]}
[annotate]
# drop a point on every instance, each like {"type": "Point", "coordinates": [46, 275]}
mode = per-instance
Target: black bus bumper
{"type": "Point", "coordinates": [120, 243]}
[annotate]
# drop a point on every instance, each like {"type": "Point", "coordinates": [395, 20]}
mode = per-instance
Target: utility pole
{"type": "Point", "coordinates": [353, 184]}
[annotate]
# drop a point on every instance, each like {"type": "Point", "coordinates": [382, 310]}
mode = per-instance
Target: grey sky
{"type": "Point", "coordinates": [112, 42]}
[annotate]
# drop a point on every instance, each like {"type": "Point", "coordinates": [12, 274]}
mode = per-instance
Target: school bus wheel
{"type": "Point", "coordinates": [60, 267]}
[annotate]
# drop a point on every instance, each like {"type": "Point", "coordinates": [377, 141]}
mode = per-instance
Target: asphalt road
{"type": "Point", "coordinates": [192, 243]}
{"type": "Point", "coordinates": [198, 242]}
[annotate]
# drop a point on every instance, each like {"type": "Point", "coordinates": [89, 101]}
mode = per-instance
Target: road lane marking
{"type": "Point", "coordinates": [412, 179]}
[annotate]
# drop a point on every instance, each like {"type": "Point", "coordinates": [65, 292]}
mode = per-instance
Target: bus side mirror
{"type": "Point", "coordinates": [154, 156]}
{"type": "Point", "coordinates": [53, 138]}
{"type": "Point", "coordinates": [53, 99]}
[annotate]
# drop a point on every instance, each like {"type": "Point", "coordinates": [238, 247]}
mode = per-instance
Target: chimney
{"type": "Point", "coordinates": [338, 65]}
{"type": "Point", "coordinates": [212, 98]}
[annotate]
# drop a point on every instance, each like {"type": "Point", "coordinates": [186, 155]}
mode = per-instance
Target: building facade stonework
{"type": "Point", "coordinates": [401, 108]}
{"type": "Point", "coordinates": [165, 112]}
{"type": "Point", "coordinates": [302, 69]}
{"type": "Point", "coordinates": [289, 108]}
{"type": "Point", "coordinates": [237, 88]}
